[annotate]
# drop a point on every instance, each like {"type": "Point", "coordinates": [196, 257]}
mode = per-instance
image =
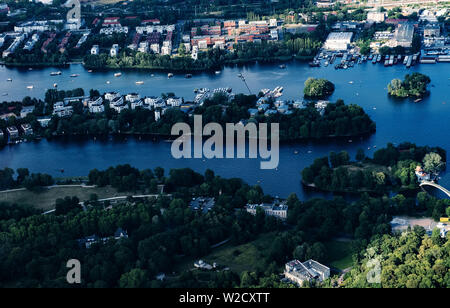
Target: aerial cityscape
{"type": "Point", "coordinates": [274, 144]}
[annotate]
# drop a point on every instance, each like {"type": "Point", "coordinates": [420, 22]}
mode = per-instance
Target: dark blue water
{"type": "Point", "coordinates": [425, 123]}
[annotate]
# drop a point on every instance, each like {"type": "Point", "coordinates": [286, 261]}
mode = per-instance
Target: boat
{"type": "Point", "coordinates": [55, 85]}
{"type": "Point", "coordinates": [418, 100]}
{"type": "Point", "coordinates": [89, 71]}
{"type": "Point", "coordinates": [55, 73]}
{"type": "Point", "coordinates": [350, 82]}
{"type": "Point", "coordinates": [30, 87]}
{"type": "Point", "coordinates": [139, 82]}
{"type": "Point", "coordinates": [117, 74]}
{"type": "Point", "coordinates": [9, 79]}
{"type": "Point", "coordinates": [282, 66]}
{"type": "Point", "coordinates": [74, 75]}
{"type": "Point", "coordinates": [188, 76]}
{"type": "Point", "coordinates": [108, 82]}
{"type": "Point", "coordinates": [170, 75]}
{"type": "Point", "coordinates": [5, 94]}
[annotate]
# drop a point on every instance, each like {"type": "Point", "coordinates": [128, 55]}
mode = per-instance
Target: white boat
{"type": "Point", "coordinates": [55, 73]}
{"type": "Point", "coordinates": [108, 82]}
{"type": "Point", "coordinates": [30, 87]}
{"type": "Point", "coordinates": [139, 82]}
{"type": "Point", "coordinates": [218, 72]}
{"type": "Point", "coordinates": [55, 85]}
{"type": "Point", "coordinates": [89, 71]}
{"type": "Point", "coordinates": [117, 74]}
{"type": "Point", "coordinates": [74, 75]}
{"type": "Point", "coordinates": [170, 75]}
{"type": "Point", "coordinates": [9, 79]}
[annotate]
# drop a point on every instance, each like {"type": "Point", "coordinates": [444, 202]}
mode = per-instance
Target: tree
{"type": "Point", "coordinates": [318, 88]}
{"type": "Point", "coordinates": [136, 278]}
{"type": "Point", "coordinates": [360, 156]}
{"type": "Point", "coordinates": [432, 163]}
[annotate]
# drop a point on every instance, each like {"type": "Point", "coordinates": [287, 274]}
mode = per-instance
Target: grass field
{"type": "Point", "coordinates": [246, 257]}
{"type": "Point", "coordinates": [339, 254]}
{"type": "Point", "coordinates": [45, 200]}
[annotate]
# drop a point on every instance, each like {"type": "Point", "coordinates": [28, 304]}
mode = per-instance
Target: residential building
{"type": "Point", "coordinates": [174, 101]}
{"type": "Point", "coordinates": [63, 111]}
{"type": "Point", "coordinates": [276, 209]}
{"type": "Point", "coordinates": [95, 105]}
{"type": "Point", "coordinates": [27, 130]}
{"type": "Point", "coordinates": [26, 110]}
{"type": "Point", "coordinates": [154, 102]}
{"type": "Point", "coordinates": [13, 132]}
{"type": "Point", "coordinates": [132, 97]}
{"type": "Point", "coordinates": [203, 204]}
{"type": "Point", "coordinates": [111, 95]}
{"type": "Point", "coordinates": [136, 104]}
{"type": "Point", "coordinates": [432, 30]}
{"type": "Point", "coordinates": [298, 272]}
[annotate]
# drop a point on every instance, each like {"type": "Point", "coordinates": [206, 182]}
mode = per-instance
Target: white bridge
{"type": "Point", "coordinates": [433, 184]}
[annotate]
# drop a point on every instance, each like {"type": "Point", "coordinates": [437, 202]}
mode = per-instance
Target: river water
{"type": "Point", "coordinates": [425, 123]}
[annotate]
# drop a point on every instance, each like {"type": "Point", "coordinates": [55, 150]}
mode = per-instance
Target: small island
{"type": "Point", "coordinates": [318, 88]}
{"type": "Point", "coordinates": [394, 168]}
{"type": "Point", "coordinates": [414, 85]}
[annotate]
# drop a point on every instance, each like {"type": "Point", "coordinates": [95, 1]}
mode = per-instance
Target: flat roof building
{"type": "Point", "coordinates": [403, 35]}
{"type": "Point", "coordinates": [338, 40]}
{"type": "Point", "coordinates": [298, 272]}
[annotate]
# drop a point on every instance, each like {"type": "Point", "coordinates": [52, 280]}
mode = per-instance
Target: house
{"type": "Point", "coordinates": [44, 121]}
{"type": "Point", "coordinates": [137, 104]}
{"type": "Point", "coordinates": [276, 209]}
{"type": "Point", "coordinates": [62, 111]}
{"type": "Point", "coordinates": [26, 110]}
{"type": "Point", "coordinates": [154, 101]}
{"type": "Point", "coordinates": [203, 204]}
{"type": "Point", "coordinates": [120, 233]}
{"type": "Point", "coordinates": [421, 174]}
{"type": "Point", "coordinates": [132, 97]}
{"type": "Point", "coordinates": [95, 50]}
{"type": "Point", "coordinates": [117, 101]}
{"type": "Point", "coordinates": [174, 101]}
{"type": "Point", "coordinates": [432, 30]}
{"type": "Point", "coordinates": [298, 272]}
{"type": "Point", "coordinates": [111, 95]}
{"type": "Point", "coordinates": [13, 132]}
{"type": "Point", "coordinates": [202, 265]}
{"type": "Point", "coordinates": [27, 130]}
{"type": "Point", "coordinates": [95, 105]}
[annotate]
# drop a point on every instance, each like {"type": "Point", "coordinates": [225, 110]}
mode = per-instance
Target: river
{"type": "Point", "coordinates": [424, 123]}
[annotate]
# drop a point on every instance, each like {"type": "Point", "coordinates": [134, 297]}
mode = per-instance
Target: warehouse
{"type": "Point", "coordinates": [404, 35]}
{"type": "Point", "coordinates": [338, 40]}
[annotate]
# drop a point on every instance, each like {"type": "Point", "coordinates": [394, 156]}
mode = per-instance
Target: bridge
{"type": "Point", "coordinates": [433, 184]}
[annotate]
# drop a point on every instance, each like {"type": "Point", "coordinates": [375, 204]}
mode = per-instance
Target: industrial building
{"type": "Point", "coordinates": [338, 40]}
{"type": "Point", "coordinates": [403, 35]}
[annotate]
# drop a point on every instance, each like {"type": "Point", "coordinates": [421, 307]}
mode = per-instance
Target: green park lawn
{"type": "Point", "coordinates": [45, 199]}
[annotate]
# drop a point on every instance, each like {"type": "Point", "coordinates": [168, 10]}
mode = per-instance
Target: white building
{"type": "Point", "coordinates": [143, 47]}
{"type": "Point", "coordinates": [338, 40]}
{"type": "Point", "coordinates": [155, 48]}
{"type": "Point", "coordinates": [298, 272]}
{"type": "Point", "coordinates": [111, 30]}
{"type": "Point", "coordinates": [132, 97]}
{"type": "Point", "coordinates": [166, 50]}
{"type": "Point", "coordinates": [375, 16]}
{"type": "Point", "coordinates": [137, 104]}
{"type": "Point", "coordinates": [174, 101]}
{"type": "Point", "coordinates": [111, 95]}
{"type": "Point", "coordinates": [96, 105]}
{"type": "Point", "coordinates": [154, 102]}
{"type": "Point", "coordinates": [62, 111]}
{"type": "Point", "coordinates": [276, 210]}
